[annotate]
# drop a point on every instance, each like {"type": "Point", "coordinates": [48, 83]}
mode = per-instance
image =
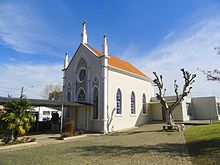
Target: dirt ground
{"type": "Point", "coordinates": [144, 145]}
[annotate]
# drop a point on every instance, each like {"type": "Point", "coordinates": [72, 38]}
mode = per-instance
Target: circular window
{"type": "Point", "coordinates": [82, 74]}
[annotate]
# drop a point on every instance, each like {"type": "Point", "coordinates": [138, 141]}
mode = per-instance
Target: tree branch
{"type": "Point", "coordinates": [211, 75]}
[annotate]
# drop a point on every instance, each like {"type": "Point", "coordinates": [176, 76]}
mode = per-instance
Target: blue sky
{"type": "Point", "coordinates": [154, 35]}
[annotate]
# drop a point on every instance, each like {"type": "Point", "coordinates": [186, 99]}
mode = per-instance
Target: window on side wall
{"type": "Point", "coordinates": [133, 111]}
{"type": "Point", "coordinates": [96, 103]}
{"type": "Point", "coordinates": [47, 113]}
{"type": "Point", "coordinates": [143, 104]}
{"type": "Point", "coordinates": [118, 102]}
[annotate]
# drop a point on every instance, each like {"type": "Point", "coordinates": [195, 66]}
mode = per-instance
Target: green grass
{"type": "Point", "coordinates": [203, 143]}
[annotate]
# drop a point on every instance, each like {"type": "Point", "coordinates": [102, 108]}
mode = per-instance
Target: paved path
{"type": "Point", "coordinates": [146, 145]}
{"type": "Point", "coordinates": [162, 147]}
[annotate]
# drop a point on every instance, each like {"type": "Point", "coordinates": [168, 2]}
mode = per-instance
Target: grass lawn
{"type": "Point", "coordinates": [203, 144]}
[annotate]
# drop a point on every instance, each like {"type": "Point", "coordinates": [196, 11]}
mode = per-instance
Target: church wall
{"type": "Point", "coordinates": [127, 84]}
{"type": "Point", "coordinates": [93, 66]}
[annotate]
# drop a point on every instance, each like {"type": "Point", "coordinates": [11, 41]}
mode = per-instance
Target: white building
{"type": "Point", "coordinates": [196, 108]}
{"type": "Point", "coordinates": [204, 108]}
{"type": "Point", "coordinates": [123, 96]}
{"type": "Point", "coordinates": [117, 89]}
{"type": "Point", "coordinates": [183, 111]}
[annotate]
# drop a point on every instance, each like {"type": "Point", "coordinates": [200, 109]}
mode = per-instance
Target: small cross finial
{"type": "Point", "coordinates": [84, 22]}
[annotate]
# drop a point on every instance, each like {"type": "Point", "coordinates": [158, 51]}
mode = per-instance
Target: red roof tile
{"type": "Point", "coordinates": [118, 63]}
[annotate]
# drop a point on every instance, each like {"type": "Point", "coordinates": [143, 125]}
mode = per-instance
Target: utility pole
{"type": "Point", "coordinates": [23, 96]}
{"type": "Point", "coordinates": [22, 93]}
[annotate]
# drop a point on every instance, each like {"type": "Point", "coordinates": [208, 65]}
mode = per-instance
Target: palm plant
{"type": "Point", "coordinates": [17, 118]}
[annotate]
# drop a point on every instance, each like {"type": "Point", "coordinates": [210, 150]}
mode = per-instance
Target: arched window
{"type": "Point", "coordinates": [81, 70]}
{"type": "Point", "coordinates": [143, 104]}
{"type": "Point", "coordinates": [69, 92]}
{"type": "Point", "coordinates": [67, 110]}
{"type": "Point", "coordinates": [118, 102]}
{"type": "Point", "coordinates": [133, 103]}
{"type": "Point", "coordinates": [68, 96]}
{"type": "Point", "coordinates": [81, 96]}
{"type": "Point", "coordinates": [96, 103]}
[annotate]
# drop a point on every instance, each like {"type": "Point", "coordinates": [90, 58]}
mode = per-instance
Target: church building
{"type": "Point", "coordinates": [117, 90]}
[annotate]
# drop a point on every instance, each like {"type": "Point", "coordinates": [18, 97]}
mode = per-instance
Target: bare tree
{"type": "Point", "coordinates": [189, 79]}
{"type": "Point", "coordinates": [52, 92]}
{"type": "Point", "coordinates": [217, 49]}
{"type": "Point", "coordinates": [212, 75]}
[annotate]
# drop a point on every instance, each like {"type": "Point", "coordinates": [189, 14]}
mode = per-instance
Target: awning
{"type": "Point", "coordinates": [49, 103]}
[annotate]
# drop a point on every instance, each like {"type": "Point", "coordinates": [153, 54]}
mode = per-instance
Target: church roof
{"type": "Point", "coordinates": [121, 64]}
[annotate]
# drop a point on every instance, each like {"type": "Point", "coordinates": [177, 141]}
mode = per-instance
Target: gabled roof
{"type": "Point", "coordinates": [121, 64]}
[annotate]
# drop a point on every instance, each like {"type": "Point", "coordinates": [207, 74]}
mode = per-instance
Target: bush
{"type": "Point", "coordinates": [24, 139]}
{"type": "Point", "coordinates": [55, 118]}
{"type": "Point", "coordinates": [69, 130]}
{"type": "Point", "coordinates": [69, 127]}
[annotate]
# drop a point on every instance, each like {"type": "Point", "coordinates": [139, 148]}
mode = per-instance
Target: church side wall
{"type": "Point", "coordinates": [127, 84]}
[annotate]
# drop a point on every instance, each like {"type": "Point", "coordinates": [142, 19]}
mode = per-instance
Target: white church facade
{"type": "Point", "coordinates": [118, 90]}
{"type": "Point", "coordinates": [121, 96]}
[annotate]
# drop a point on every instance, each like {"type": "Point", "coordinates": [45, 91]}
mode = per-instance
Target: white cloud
{"type": "Point", "coordinates": [22, 29]}
{"type": "Point", "coordinates": [191, 49]}
{"type": "Point", "coordinates": [169, 35]}
{"type": "Point", "coordinates": [14, 76]}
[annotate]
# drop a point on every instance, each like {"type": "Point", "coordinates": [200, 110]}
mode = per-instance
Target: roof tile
{"type": "Point", "coordinates": [121, 64]}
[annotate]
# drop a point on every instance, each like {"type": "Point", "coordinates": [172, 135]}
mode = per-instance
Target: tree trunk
{"type": "Point", "coordinates": [15, 135]}
{"type": "Point", "coordinates": [169, 117]}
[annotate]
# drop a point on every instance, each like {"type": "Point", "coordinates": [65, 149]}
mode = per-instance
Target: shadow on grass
{"type": "Point", "coordinates": [117, 150]}
{"type": "Point", "coordinates": [207, 151]}
{"type": "Point", "coordinates": [204, 147]}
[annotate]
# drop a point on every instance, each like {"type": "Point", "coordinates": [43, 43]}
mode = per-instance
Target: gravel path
{"type": "Point", "coordinates": [144, 145]}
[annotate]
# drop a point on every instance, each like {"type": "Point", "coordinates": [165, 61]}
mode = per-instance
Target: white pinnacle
{"type": "Point", "coordinates": [84, 33]}
{"type": "Point", "coordinates": [66, 61]}
{"type": "Point", "coordinates": [105, 46]}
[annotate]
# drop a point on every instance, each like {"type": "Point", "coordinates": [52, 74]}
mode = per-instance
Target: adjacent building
{"type": "Point", "coordinates": [183, 112]}
{"type": "Point", "coordinates": [204, 108]}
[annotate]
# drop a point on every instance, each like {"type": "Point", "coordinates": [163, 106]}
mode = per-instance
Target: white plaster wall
{"type": "Point", "coordinates": [204, 108]}
{"type": "Point", "coordinates": [179, 113]}
{"type": "Point", "coordinates": [127, 84]}
{"type": "Point", "coordinates": [217, 101]}
{"type": "Point", "coordinates": [156, 112]}
{"type": "Point", "coordinates": [185, 116]}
